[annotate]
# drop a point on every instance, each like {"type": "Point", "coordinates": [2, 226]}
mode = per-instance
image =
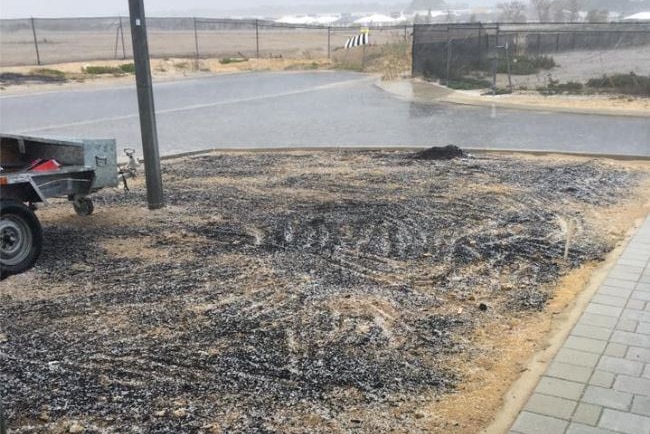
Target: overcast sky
{"type": "Point", "coordinates": [90, 8]}
{"type": "Point", "coordinates": [76, 8]}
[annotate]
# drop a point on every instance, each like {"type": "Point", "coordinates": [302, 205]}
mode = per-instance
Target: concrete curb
{"type": "Point", "coordinates": [504, 151]}
{"type": "Point", "coordinates": [456, 97]}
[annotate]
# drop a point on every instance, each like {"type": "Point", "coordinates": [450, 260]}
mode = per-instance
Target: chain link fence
{"type": "Point", "coordinates": [47, 41]}
{"type": "Point", "coordinates": [530, 54]}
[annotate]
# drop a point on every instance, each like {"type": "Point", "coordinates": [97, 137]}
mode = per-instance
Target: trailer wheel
{"type": "Point", "coordinates": [21, 238]}
{"type": "Point", "coordinates": [83, 206]}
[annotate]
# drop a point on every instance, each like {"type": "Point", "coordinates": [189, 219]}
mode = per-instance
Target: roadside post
{"type": "Point", "coordinates": [38, 54]}
{"type": "Point", "coordinates": [148, 129]}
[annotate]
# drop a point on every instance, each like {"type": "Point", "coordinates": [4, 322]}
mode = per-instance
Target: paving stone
{"type": "Point", "coordinates": [609, 300]}
{"type": "Point", "coordinates": [602, 379]}
{"type": "Point", "coordinates": [635, 304]}
{"type": "Point", "coordinates": [607, 397]}
{"type": "Point", "coordinates": [531, 423]}
{"type": "Point", "coordinates": [614, 291]}
{"type": "Point", "coordinates": [587, 414]}
{"type": "Point", "coordinates": [632, 262]}
{"type": "Point", "coordinates": [575, 357]}
{"type": "Point", "coordinates": [635, 385]}
{"type": "Point", "coordinates": [640, 354]}
{"type": "Point", "coordinates": [628, 338]}
{"type": "Point", "coordinates": [570, 372]}
{"type": "Point", "coordinates": [601, 309]}
{"type": "Point", "coordinates": [561, 388]}
{"type": "Point", "coordinates": [641, 405]}
{"type": "Point", "coordinates": [644, 327]}
{"type": "Point", "coordinates": [551, 406]}
{"type": "Point", "coordinates": [622, 275]}
{"type": "Point", "coordinates": [646, 371]}
{"type": "Point", "coordinates": [577, 428]}
{"type": "Point", "coordinates": [592, 332]}
{"type": "Point", "coordinates": [585, 344]}
{"type": "Point", "coordinates": [638, 269]}
{"type": "Point", "coordinates": [643, 286]}
{"type": "Point", "coordinates": [640, 295]}
{"type": "Point", "coordinates": [627, 325]}
{"type": "Point", "coordinates": [618, 283]}
{"type": "Point", "coordinates": [637, 315]}
{"type": "Point", "coordinates": [614, 349]}
{"type": "Point", "coordinates": [618, 365]}
{"type": "Point", "coordinates": [624, 422]}
{"type": "Point", "coordinates": [591, 320]}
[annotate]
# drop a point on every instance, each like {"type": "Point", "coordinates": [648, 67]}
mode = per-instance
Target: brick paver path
{"type": "Point", "coordinates": [599, 381]}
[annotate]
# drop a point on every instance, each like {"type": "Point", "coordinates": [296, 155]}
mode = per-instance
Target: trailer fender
{"type": "Point", "coordinates": [21, 188]}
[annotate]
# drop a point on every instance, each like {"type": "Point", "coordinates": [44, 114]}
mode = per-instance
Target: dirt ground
{"type": "Point", "coordinates": [306, 292]}
{"type": "Point", "coordinates": [17, 48]}
{"type": "Point", "coordinates": [161, 70]}
{"type": "Point", "coordinates": [580, 66]}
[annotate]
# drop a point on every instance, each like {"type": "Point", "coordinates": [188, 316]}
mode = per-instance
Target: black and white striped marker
{"type": "Point", "coordinates": [356, 41]}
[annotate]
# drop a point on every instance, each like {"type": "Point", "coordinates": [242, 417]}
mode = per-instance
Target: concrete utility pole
{"type": "Point", "coordinates": [145, 104]}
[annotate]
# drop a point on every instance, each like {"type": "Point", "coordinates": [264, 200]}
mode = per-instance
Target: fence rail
{"type": "Point", "coordinates": [39, 41]}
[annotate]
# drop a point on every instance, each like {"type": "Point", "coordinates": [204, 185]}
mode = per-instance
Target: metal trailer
{"type": "Point", "coordinates": [85, 167]}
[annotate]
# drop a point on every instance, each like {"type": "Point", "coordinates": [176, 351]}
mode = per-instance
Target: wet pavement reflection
{"type": "Point", "coordinates": [312, 109]}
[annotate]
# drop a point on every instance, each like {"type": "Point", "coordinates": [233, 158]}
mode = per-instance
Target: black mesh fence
{"type": "Point", "coordinates": [579, 50]}
{"type": "Point", "coordinates": [47, 41]}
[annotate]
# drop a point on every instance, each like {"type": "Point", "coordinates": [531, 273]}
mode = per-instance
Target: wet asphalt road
{"type": "Point", "coordinates": [309, 109]}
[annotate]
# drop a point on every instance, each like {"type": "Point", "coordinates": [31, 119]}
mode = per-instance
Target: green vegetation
{"type": "Point", "coordinates": [227, 60]}
{"type": "Point", "coordinates": [554, 87]}
{"type": "Point", "coordinates": [466, 83]}
{"type": "Point", "coordinates": [48, 72]}
{"type": "Point", "coordinates": [628, 84]}
{"type": "Point", "coordinates": [499, 91]}
{"type": "Point", "coordinates": [625, 84]}
{"type": "Point", "coordinates": [126, 68]}
{"type": "Point", "coordinates": [527, 65]}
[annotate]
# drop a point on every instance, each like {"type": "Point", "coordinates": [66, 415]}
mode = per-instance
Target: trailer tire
{"type": "Point", "coordinates": [83, 206]}
{"type": "Point", "coordinates": [21, 238]}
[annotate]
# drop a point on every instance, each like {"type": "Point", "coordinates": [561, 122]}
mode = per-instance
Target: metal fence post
{"type": "Point", "coordinates": [329, 42]}
{"type": "Point", "coordinates": [257, 38]}
{"type": "Point", "coordinates": [495, 62]}
{"type": "Point", "coordinates": [122, 35]}
{"type": "Point", "coordinates": [507, 47]}
{"type": "Point", "coordinates": [413, 53]}
{"type": "Point", "coordinates": [38, 55]}
{"type": "Point", "coordinates": [449, 52]}
{"type": "Point", "coordinates": [196, 41]}
{"type": "Point", "coordinates": [117, 38]}
{"type": "Point", "coordinates": [497, 37]}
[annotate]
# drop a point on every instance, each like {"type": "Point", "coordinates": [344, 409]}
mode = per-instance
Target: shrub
{"type": "Point", "coordinates": [227, 60]}
{"type": "Point", "coordinates": [525, 65]}
{"type": "Point", "coordinates": [128, 68]}
{"type": "Point", "coordinates": [48, 72]}
{"type": "Point", "coordinates": [629, 84]}
{"type": "Point", "coordinates": [467, 83]}
{"type": "Point", "coordinates": [101, 69]}
{"type": "Point", "coordinates": [554, 87]}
